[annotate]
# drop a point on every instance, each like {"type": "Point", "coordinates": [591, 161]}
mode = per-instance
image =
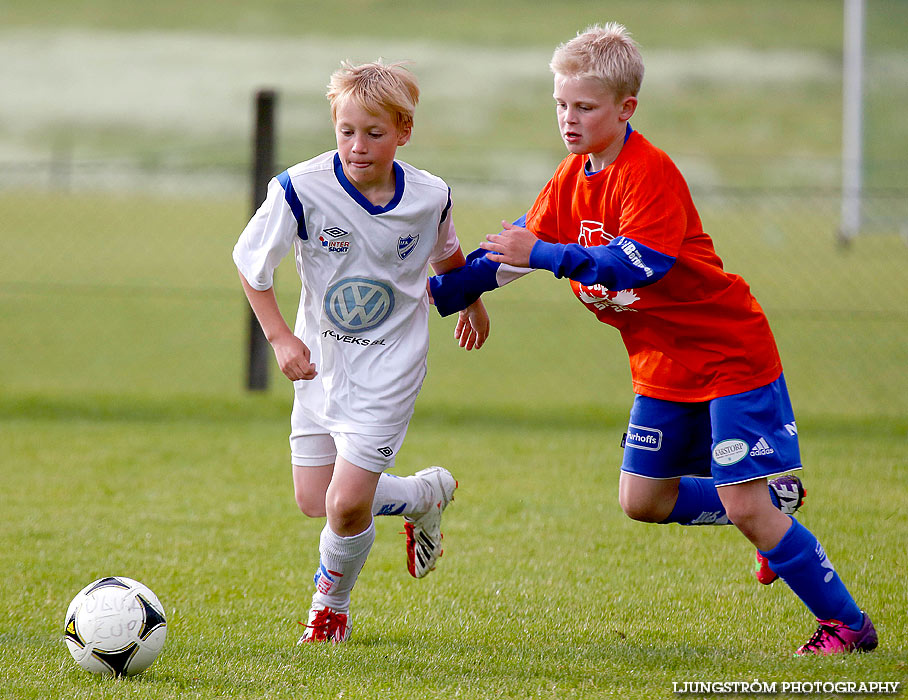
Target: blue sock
{"type": "Point", "coordinates": [802, 563]}
{"type": "Point", "coordinates": [698, 503]}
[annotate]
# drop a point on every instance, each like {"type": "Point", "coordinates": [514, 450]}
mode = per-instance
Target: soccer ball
{"type": "Point", "coordinates": [115, 626]}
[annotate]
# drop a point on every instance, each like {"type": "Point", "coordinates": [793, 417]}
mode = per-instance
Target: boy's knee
{"type": "Point", "coordinates": [747, 506]}
{"type": "Point", "coordinates": [312, 505]}
{"type": "Point", "coordinates": [646, 500]}
{"type": "Point", "coordinates": [345, 514]}
{"type": "Point", "coordinates": [640, 510]}
{"type": "Point", "coordinates": [746, 516]}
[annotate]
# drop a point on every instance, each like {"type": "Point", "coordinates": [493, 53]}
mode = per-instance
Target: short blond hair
{"type": "Point", "coordinates": [376, 87]}
{"type": "Point", "coordinates": [606, 52]}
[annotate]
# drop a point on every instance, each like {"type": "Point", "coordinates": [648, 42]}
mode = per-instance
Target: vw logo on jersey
{"type": "Point", "coordinates": [406, 244]}
{"type": "Point", "coordinates": [356, 304]}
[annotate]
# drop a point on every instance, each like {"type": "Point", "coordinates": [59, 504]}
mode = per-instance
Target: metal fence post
{"type": "Point", "coordinates": [852, 120]}
{"type": "Point", "coordinates": [262, 172]}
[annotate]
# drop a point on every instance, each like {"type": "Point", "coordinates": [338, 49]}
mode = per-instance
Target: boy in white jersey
{"type": "Point", "coordinates": [364, 229]}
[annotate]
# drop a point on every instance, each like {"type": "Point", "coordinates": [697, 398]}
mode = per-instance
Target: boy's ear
{"type": "Point", "coordinates": [627, 108]}
{"type": "Point", "coordinates": [403, 137]}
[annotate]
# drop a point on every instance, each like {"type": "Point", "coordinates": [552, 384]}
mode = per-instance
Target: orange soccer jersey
{"type": "Point", "coordinates": [697, 333]}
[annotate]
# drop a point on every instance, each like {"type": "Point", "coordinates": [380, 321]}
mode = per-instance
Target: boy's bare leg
{"type": "Point", "coordinates": [310, 484]}
{"type": "Point", "coordinates": [647, 500]}
{"type": "Point", "coordinates": [344, 546]}
{"type": "Point", "coordinates": [751, 509]}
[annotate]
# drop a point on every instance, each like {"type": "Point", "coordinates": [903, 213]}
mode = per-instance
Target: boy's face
{"type": "Point", "coordinates": [367, 144]}
{"type": "Point", "coordinates": [590, 120]}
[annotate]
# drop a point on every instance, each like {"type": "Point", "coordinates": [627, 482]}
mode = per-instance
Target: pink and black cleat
{"type": "Point", "coordinates": [834, 637]}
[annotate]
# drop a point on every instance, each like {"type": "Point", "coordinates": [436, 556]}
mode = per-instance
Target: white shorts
{"type": "Point", "coordinates": [313, 445]}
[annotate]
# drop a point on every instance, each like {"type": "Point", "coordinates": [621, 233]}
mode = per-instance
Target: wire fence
{"type": "Point", "coordinates": [118, 279]}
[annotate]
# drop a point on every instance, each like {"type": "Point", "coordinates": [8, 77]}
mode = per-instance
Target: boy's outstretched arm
{"type": "Point", "coordinates": [473, 323]}
{"type": "Point", "coordinates": [512, 246]}
{"type": "Point", "coordinates": [462, 286]}
{"type": "Point", "coordinates": [291, 352]}
{"type": "Point", "coordinates": [623, 263]}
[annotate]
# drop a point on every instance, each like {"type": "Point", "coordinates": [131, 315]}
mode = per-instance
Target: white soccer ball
{"type": "Point", "coordinates": [115, 626]}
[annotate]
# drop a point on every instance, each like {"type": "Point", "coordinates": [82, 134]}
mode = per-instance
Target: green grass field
{"type": "Point", "coordinates": [545, 589]}
{"type": "Point", "coordinates": [130, 447]}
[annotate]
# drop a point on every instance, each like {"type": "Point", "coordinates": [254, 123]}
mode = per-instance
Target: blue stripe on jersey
{"type": "Point", "coordinates": [358, 196]}
{"type": "Point", "coordinates": [622, 264]}
{"type": "Point", "coordinates": [444, 214]}
{"type": "Point", "coordinates": [293, 201]}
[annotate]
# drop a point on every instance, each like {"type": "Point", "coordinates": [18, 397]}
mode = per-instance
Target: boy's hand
{"type": "Point", "coordinates": [472, 326]}
{"type": "Point", "coordinates": [511, 246]}
{"type": "Point", "coordinates": [293, 357]}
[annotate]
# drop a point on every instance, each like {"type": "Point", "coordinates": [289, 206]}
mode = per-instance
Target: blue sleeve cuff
{"type": "Point", "coordinates": [457, 289]}
{"type": "Point", "coordinates": [544, 256]}
{"type": "Point", "coordinates": [622, 264]}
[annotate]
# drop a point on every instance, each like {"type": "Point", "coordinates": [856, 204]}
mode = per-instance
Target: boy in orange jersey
{"type": "Point", "coordinates": [711, 425]}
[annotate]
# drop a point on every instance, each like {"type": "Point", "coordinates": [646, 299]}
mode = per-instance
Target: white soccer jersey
{"type": "Point", "coordinates": [363, 308]}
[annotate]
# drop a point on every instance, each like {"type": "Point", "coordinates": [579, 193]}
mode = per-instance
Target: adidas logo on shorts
{"type": "Point", "coordinates": [761, 448]}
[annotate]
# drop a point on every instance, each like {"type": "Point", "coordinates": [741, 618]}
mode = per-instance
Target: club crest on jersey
{"type": "Point", "coordinates": [405, 245]}
{"type": "Point", "coordinates": [592, 233]}
{"type": "Point", "coordinates": [356, 304]}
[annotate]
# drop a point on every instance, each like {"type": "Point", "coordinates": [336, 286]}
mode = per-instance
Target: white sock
{"type": "Point", "coordinates": [340, 561]}
{"type": "Point", "coordinates": [401, 495]}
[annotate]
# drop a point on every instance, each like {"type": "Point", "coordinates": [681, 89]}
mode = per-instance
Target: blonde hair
{"type": "Point", "coordinates": [375, 87]}
{"type": "Point", "coordinates": [607, 53]}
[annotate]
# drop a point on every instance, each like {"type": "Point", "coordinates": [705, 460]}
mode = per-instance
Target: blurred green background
{"type": "Point", "coordinates": [132, 448]}
{"type": "Point", "coordinates": [124, 181]}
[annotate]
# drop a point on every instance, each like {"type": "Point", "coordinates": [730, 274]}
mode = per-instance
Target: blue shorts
{"type": "Point", "coordinates": [734, 438]}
